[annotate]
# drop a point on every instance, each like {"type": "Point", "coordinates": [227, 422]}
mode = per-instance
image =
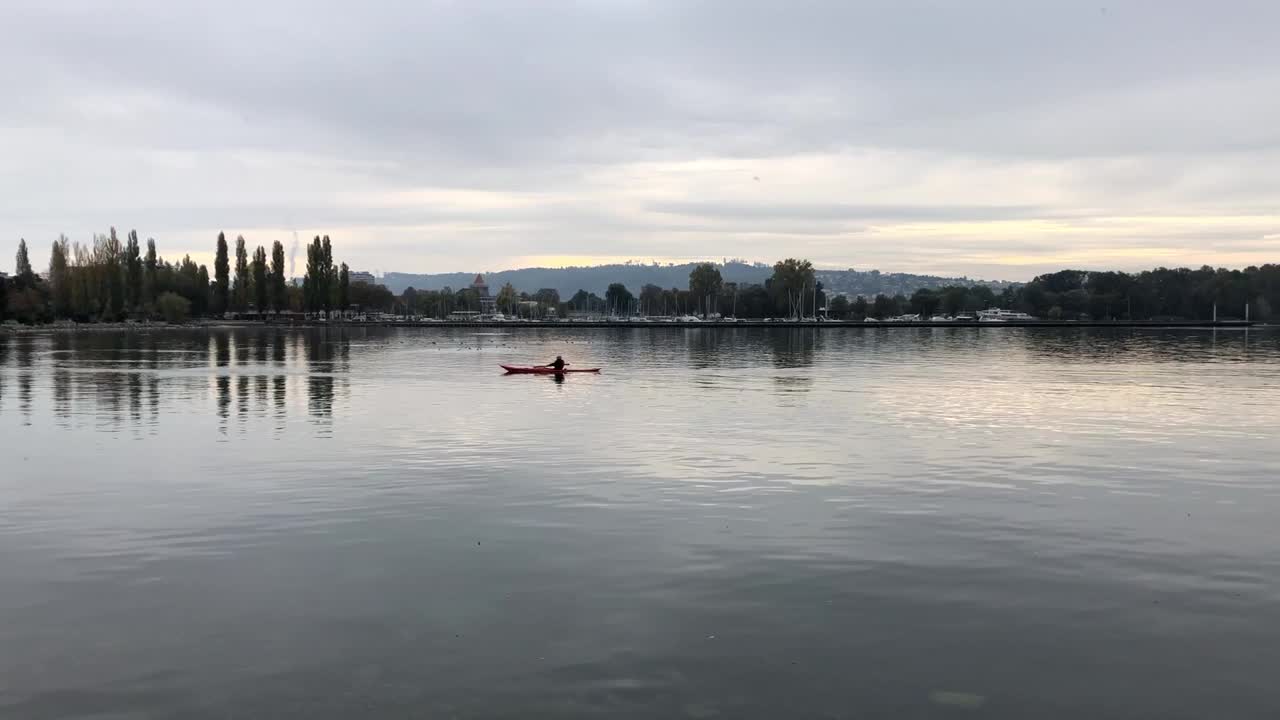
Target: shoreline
{"type": "Point", "coordinates": [608, 324]}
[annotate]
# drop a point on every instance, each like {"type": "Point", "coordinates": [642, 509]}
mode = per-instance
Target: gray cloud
{"type": "Point", "coordinates": [640, 127]}
{"type": "Point", "coordinates": [843, 211]}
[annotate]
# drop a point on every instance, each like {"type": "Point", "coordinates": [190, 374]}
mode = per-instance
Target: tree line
{"type": "Point", "coordinates": [108, 280]}
{"type": "Point", "coordinates": [1158, 294]}
{"type": "Point", "coordinates": [792, 290]}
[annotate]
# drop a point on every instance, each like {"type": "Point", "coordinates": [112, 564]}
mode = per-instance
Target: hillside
{"type": "Point", "coordinates": [873, 282]}
{"type": "Point", "coordinates": [597, 279]}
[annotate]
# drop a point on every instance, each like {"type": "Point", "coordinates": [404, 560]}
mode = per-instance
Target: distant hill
{"type": "Point", "coordinates": [873, 282]}
{"type": "Point", "coordinates": [597, 279]}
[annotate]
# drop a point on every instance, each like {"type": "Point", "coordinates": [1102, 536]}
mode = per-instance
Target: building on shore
{"type": "Point", "coordinates": [356, 276]}
{"type": "Point", "coordinates": [488, 303]}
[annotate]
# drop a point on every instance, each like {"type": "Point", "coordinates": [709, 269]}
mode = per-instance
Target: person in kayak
{"type": "Point", "coordinates": [558, 364]}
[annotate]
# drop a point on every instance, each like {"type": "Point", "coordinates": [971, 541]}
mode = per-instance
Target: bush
{"type": "Point", "coordinates": [173, 307]}
{"type": "Point", "coordinates": [26, 304]}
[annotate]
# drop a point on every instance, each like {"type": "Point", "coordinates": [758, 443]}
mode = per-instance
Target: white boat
{"type": "Point", "coordinates": [1002, 315]}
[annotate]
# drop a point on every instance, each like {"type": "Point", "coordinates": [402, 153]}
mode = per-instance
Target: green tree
{"type": "Point", "coordinates": [506, 299]}
{"type": "Point", "coordinates": [221, 277]}
{"type": "Point", "coordinates": [26, 300]}
{"type": "Point", "coordinates": [279, 289]}
{"type": "Point", "coordinates": [258, 272]}
{"type": "Point", "coordinates": [173, 307]}
{"type": "Point", "coordinates": [200, 303]}
{"type": "Point", "coordinates": [313, 280]}
{"type": "Point", "coordinates": [320, 285]}
{"type": "Point", "coordinates": [344, 287]}
{"type": "Point", "coordinates": [953, 299]}
{"type": "Point", "coordinates": [371, 297]}
{"type": "Point", "coordinates": [583, 301]}
{"type": "Point", "coordinates": [858, 308]}
{"type": "Point", "coordinates": [187, 283]}
{"type": "Point", "coordinates": [328, 287]}
{"type": "Point", "coordinates": [22, 263]}
{"type": "Point", "coordinates": [150, 266]}
{"type": "Point", "coordinates": [413, 301]}
{"type": "Point", "coordinates": [618, 299]}
{"type": "Point", "coordinates": [60, 278]}
{"type": "Point", "coordinates": [240, 293]}
{"type": "Point", "coordinates": [82, 267]}
{"type": "Point", "coordinates": [704, 285]}
{"type": "Point", "coordinates": [754, 301]}
{"type": "Point", "coordinates": [886, 307]}
{"type": "Point", "coordinates": [110, 255]}
{"type": "Point", "coordinates": [651, 300]}
{"type": "Point", "coordinates": [838, 308]}
{"type": "Point", "coordinates": [925, 302]}
{"type": "Point", "coordinates": [791, 282]}
{"type": "Point", "coordinates": [133, 271]}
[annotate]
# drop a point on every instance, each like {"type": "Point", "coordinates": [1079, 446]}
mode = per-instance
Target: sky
{"type": "Point", "coordinates": [993, 139]}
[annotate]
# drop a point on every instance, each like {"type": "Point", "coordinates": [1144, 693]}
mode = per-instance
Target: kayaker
{"type": "Point", "coordinates": [558, 364]}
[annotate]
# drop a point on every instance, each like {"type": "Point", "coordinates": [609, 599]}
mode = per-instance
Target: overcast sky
{"type": "Point", "coordinates": [994, 139]}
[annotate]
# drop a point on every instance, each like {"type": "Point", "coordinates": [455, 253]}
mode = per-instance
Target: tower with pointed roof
{"type": "Point", "coordinates": [488, 303]}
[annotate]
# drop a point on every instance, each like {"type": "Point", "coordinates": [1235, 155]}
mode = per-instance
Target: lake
{"type": "Point", "coordinates": [742, 523]}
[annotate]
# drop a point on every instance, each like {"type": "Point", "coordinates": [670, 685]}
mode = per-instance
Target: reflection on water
{"type": "Point", "coordinates": [125, 379]}
{"type": "Point", "coordinates": [795, 347]}
{"type": "Point", "coordinates": [916, 522]}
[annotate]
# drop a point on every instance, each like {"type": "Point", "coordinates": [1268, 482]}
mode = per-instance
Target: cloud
{"type": "Point", "coordinates": [839, 211]}
{"type": "Point", "coordinates": [441, 136]}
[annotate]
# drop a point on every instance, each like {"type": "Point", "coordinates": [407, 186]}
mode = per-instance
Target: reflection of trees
{"type": "Point", "coordinates": [24, 395]}
{"type": "Point", "coordinates": [24, 354]}
{"type": "Point", "coordinates": [260, 393]}
{"type": "Point", "coordinates": [109, 389]}
{"type": "Point", "coordinates": [222, 349]}
{"type": "Point", "coordinates": [319, 349]}
{"type": "Point", "coordinates": [153, 394]}
{"type": "Point", "coordinates": [328, 351]}
{"type": "Point", "coordinates": [262, 342]}
{"type": "Point", "coordinates": [278, 348]}
{"type": "Point", "coordinates": [61, 393]}
{"type": "Point", "coordinates": [261, 345]}
{"type": "Point", "coordinates": [135, 396]}
{"type": "Point", "coordinates": [255, 389]}
{"type": "Point", "coordinates": [1112, 345]}
{"type": "Point", "coordinates": [793, 347]}
{"type": "Point", "coordinates": [244, 343]}
{"type": "Point", "coordinates": [113, 380]}
{"type": "Point", "coordinates": [223, 383]}
{"type": "Point", "coordinates": [320, 395]}
{"type": "Point", "coordinates": [242, 397]}
{"type": "Point", "coordinates": [703, 345]}
{"type": "Point", "coordinates": [278, 384]}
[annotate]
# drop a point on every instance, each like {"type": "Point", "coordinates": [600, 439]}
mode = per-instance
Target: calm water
{"type": "Point", "coordinates": [941, 523]}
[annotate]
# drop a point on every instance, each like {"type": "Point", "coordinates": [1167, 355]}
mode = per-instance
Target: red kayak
{"type": "Point", "coordinates": [517, 370]}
